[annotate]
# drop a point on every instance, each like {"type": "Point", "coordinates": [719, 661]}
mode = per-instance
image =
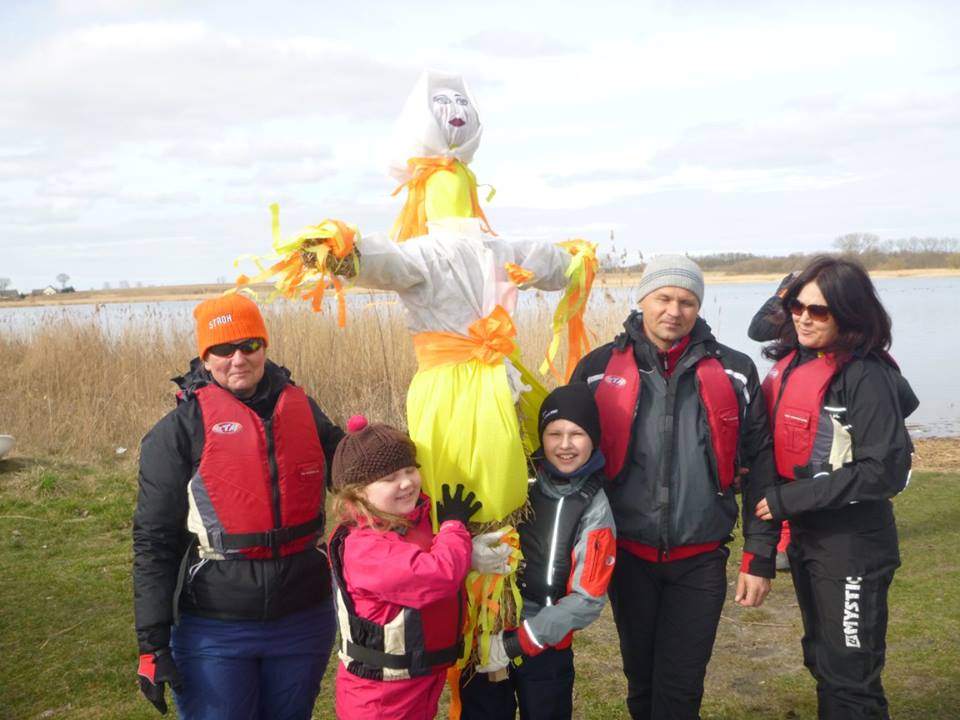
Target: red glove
{"type": "Point", "coordinates": [156, 669]}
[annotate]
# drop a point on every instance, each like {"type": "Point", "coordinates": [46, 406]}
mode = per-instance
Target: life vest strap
{"type": "Point", "coordinates": [274, 538]}
{"type": "Point", "coordinates": [406, 661]}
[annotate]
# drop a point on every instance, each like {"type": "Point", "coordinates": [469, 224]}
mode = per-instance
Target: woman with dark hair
{"type": "Point", "coordinates": [837, 404]}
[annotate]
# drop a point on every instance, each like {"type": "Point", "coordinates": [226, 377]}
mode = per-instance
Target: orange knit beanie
{"type": "Point", "coordinates": [227, 318]}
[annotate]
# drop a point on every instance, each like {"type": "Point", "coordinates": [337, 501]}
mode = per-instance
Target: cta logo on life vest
{"type": "Point", "coordinates": [227, 428]}
{"type": "Point", "coordinates": [614, 380]}
{"type": "Point", "coordinates": [851, 612]}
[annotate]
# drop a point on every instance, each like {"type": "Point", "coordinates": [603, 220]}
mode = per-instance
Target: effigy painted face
{"type": "Point", "coordinates": [455, 116]}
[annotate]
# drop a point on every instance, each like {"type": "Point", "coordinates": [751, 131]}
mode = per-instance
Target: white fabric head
{"type": "Point", "coordinates": [440, 117]}
{"type": "Point", "coordinates": [455, 115]}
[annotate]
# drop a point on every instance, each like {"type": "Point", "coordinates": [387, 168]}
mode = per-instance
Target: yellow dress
{"type": "Point", "coordinates": [456, 287]}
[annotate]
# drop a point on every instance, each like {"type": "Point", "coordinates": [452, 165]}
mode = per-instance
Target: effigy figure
{"type": "Point", "coordinates": [471, 405]}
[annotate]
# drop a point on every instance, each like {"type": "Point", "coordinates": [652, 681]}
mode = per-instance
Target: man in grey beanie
{"type": "Point", "coordinates": [680, 415]}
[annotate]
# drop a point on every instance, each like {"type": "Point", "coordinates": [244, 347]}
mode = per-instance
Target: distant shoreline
{"type": "Point", "coordinates": [170, 293]}
{"type": "Point", "coordinates": [722, 278]}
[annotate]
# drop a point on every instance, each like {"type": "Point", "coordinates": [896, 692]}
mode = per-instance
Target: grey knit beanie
{"type": "Point", "coordinates": [671, 271]}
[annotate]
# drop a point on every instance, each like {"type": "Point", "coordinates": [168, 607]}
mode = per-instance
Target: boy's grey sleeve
{"type": "Point", "coordinates": [594, 555]}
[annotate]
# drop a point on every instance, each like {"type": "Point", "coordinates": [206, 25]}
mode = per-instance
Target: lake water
{"type": "Point", "coordinates": [925, 312]}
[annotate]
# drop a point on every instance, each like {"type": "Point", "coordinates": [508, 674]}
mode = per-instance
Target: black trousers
{"type": "Point", "coordinates": [541, 686]}
{"type": "Point", "coordinates": [667, 616]}
{"type": "Point", "coordinates": [842, 576]}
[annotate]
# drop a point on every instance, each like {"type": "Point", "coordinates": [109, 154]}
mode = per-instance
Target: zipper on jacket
{"type": "Point", "coordinates": [274, 479]}
{"type": "Point", "coordinates": [666, 463]}
{"type": "Point", "coordinates": [687, 361]}
{"type": "Point", "coordinates": [275, 489]}
{"type": "Point", "coordinates": [594, 569]}
{"type": "Point", "coordinates": [553, 551]}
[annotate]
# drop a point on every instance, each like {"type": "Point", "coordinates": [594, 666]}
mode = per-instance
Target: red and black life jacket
{"type": "Point", "coordinates": [259, 489]}
{"type": "Point", "coordinates": [414, 643]}
{"type": "Point", "coordinates": [795, 410]}
{"type": "Point", "coordinates": [618, 396]}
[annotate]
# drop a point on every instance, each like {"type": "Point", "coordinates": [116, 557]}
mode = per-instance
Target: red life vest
{"type": "Point", "coordinates": [794, 408]}
{"type": "Point", "coordinates": [618, 396]}
{"type": "Point", "coordinates": [259, 489]}
{"type": "Point", "coordinates": [414, 643]}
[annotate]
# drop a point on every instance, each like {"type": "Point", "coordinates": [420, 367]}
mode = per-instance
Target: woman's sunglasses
{"type": "Point", "coordinates": [247, 347]}
{"type": "Point", "coordinates": [821, 313]}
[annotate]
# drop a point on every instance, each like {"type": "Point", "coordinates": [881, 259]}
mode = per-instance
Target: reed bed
{"type": "Point", "coordinates": [80, 390]}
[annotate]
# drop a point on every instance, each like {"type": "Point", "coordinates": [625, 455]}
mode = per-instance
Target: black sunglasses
{"type": "Point", "coordinates": [820, 313]}
{"type": "Point", "coordinates": [247, 347]}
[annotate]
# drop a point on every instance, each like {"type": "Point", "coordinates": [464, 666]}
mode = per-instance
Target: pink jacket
{"type": "Point", "coordinates": [385, 572]}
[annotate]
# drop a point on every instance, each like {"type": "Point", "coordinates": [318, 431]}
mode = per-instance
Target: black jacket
{"type": "Point", "coordinates": [233, 589]}
{"type": "Point", "coordinates": [669, 494]}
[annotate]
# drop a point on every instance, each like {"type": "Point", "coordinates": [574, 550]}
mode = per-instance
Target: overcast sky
{"type": "Point", "coordinates": [143, 140]}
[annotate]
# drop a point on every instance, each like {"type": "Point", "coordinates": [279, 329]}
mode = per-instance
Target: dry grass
{"type": "Point", "coordinates": [937, 455]}
{"type": "Point", "coordinates": [74, 390]}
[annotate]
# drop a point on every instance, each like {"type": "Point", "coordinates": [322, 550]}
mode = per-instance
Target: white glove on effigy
{"type": "Point", "coordinates": [498, 658]}
{"type": "Point", "coordinates": [490, 556]}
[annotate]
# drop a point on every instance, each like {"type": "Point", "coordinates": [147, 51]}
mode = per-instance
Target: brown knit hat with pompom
{"type": "Point", "coordinates": [370, 452]}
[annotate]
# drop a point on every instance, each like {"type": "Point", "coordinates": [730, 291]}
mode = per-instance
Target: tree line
{"type": "Point", "coordinates": [872, 252]}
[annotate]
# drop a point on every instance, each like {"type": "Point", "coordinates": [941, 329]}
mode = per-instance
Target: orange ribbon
{"type": "Point", "coordinates": [456, 703]}
{"type": "Point", "coordinates": [412, 221]}
{"type": "Point", "coordinates": [488, 340]}
{"type": "Point", "coordinates": [518, 275]}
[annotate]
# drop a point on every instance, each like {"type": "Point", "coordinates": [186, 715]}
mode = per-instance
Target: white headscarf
{"type": "Point", "coordinates": [424, 127]}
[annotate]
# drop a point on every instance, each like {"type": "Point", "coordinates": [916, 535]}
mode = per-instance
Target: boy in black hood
{"type": "Point", "coordinates": [569, 549]}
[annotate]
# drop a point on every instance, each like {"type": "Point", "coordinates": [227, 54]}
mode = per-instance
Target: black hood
{"type": "Point", "coordinates": [263, 400]}
{"type": "Point", "coordinates": [905, 394]}
{"type": "Point", "coordinates": [908, 398]}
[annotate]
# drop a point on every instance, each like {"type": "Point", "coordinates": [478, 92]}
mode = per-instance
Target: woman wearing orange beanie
{"type": "Point", "coordinates": [231, 594]}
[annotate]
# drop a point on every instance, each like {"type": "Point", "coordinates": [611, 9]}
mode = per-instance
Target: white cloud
{"type": "Point", "coordinates": [170, 126]}
{"type": "Point", "coordinates": [96, 8]}
{"type": "Point", "coordinates": [137, 81]}
{"type": "Point", "coordinates": [513, 44]}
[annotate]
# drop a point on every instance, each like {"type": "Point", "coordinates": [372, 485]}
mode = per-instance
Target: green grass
{"type": "Point", "coordinates": [67, 647]}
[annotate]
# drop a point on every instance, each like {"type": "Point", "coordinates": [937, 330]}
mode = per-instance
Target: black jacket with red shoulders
{"type": "Point", "coordinates": [669, 497]}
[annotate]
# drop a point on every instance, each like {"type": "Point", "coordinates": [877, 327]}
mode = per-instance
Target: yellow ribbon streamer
{"type": "Point", "coordinates": [570, 311]}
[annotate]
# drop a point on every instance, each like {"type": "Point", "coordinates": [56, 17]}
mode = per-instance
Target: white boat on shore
{"type": "Point", "coordinates": [6, 444]}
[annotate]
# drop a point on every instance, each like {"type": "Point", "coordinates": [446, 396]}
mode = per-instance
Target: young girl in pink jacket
{"type": "Point", "coordinates": [398, 587]}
